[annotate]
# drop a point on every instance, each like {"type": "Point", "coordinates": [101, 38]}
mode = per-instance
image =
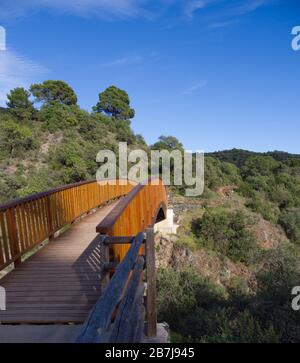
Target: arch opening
{"type": "Point", "coordinates": [161, 214]}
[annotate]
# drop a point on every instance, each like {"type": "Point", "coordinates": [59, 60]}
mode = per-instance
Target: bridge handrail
{"type": "Point", "coordinates": [140, 209]}
{"type": "Point", "coordinates": [99, 327]}
{"type": "Point", "coordinates": [26, 222]}
{"type": "Point", "coordinates": [31, 197]}
{"type": "Point", "coordinates": [109, 221]}
{"type": "Point", "coordinates": [118, 315]}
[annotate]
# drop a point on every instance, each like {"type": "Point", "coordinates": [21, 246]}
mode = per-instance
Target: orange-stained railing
{"type": "Point", "coordinates": [145, 205]}
{"type": "Point", "coordinates": [26, 222]}
{"type": "Point", "coordinates": [118, 316]}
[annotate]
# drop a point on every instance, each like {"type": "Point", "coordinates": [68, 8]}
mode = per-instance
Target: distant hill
{"type": "Point", "coordinates": [239, 156]}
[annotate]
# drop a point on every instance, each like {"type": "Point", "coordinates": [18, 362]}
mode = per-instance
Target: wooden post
{"type": "Point", "coordinates": [49, 217]}
{"type": "Point", "coordinates": [151, 284]}
{"type": "Point", "coordinates": [106, 260]}
{"type": "Point", "coordinates": [13, 236]}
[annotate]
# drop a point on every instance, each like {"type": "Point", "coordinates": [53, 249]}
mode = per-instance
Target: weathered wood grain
{"type": "Point", "coordinates": [100, 318]}
{"type": "Point", "coordinates": [151, 284]}
{"type": "Point", "coordinates": [129, 318]}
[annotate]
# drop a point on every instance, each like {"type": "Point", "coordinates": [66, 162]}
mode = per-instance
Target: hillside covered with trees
{"type": "Point", "coordinates": [236, 258]}
{"type": "Point", "coordinates": [241, 246]}
{"type": "Point", "coordinates": [47, 140]}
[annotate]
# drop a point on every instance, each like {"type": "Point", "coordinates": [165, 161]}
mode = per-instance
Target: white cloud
{"type": "Point", "coordinates": [102, 8]}
{"type": "Point", "coordinates": [227, 14]}
{"type": "Point", "coordinates": [193, 5]}
{"type": "Point", "coordinates": [16, 71]}
{"type": "Point", "coordinates": [125, 61]}
{"type": "Point", "coordinates": [194, 88]}
{"type": "Point", "coordinates": [222, 24]}
{"type": "Point", "coordinates": [134, 59]}
{"type": "Point", "coordinates": [120, 8]}
{"type": "Point", "coordinates": [249, 6]}
{"type": "Point", "coordinates": [225, 7]}
{"type": "Point", "coordinates": [123, 9]}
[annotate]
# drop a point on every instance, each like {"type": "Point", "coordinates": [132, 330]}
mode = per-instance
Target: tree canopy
{"type": "Point", "coordinates": [19, 98]}
{"type": "Point", "coordinates": [168, 143]}
{"type": "Point", "coordinates": [20, 104]}
{"type": "Point", "coordinates": [54, 91]}
{"type": "Point", "coordinates": [115, 102]}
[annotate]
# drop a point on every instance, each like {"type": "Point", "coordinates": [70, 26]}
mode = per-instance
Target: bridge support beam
{"type": "Point", "coordinates": [151, 284]}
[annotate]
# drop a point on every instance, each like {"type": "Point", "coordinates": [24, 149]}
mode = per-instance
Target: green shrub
{"type": "Point", "coordinates": [16, 138]}
{"type": "Point", "coordinates": [290, 221]}
{"type": "Point", "coordinates": [225, 232]}
{"type": "Point", "coordinates": [183, 298]}
{"type": "Point", "coordinates": [69, 159]}
{"type": "Point", "coordinates": [239, 327]}
{"type": "Point", "coordinates": [197, 310]}
{"type": "Point", "coordinates": [260, 183]}
{"type": "Point", "coordinates": [9, 185]}
{"type": "Point", "coordinates": [262, 206]}
{"type": "Point", "coordinates": [281, 273]}
{"type": "Point", "coordinates": [258, 166]}
{"type": "Point", "coordinates": [56, 117]}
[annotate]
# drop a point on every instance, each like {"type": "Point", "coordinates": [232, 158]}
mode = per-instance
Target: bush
{"type": "Point", "coordinates": [9, 186]}
{"type": "Point", "coordinates": [262, 206]}
{"type": "Point", "coordinates": [16, 138]}
{"type": "Point", "coordinates": [57, 117]}
{"type": "Point", "coordinates": [281, 272]}
{"type": "Point", "coordinates": [260, 183]}
{"type": "Point", "coordinates": [282, 196]}
{"type": "Point", "coordinates": [69, 159]}
{"type": "Point", "coordinates": [183, 298]}
{"type": "Point", "coordinates": [225, 232]}
{"type": "Point", "coordinates": [257, 166]}
{"type": "Point", "coordinates": [290, 221]}
{"type": "Point", "coordinates": [239, 327]}
{"type": "Point", "coordinates": [199, 311]}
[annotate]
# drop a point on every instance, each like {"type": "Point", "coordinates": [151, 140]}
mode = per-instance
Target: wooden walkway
{"type": "Point", "coordinates": [61, 282]}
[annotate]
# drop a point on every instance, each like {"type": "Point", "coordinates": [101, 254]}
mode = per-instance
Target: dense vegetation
{"type": "Point", "coordinates": [252, 303]}
{"type": "Point", "coordinates": [47, 140]}
{"type": "Point", "coordinates": [199, 310]}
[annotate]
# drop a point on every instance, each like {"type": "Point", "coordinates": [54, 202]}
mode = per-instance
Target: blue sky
{"type": "Point", "coordinates": [217, 74]}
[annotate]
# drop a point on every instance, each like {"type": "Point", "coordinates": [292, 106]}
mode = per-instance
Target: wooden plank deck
{"type": "Point", "coordinates": [61, 282]}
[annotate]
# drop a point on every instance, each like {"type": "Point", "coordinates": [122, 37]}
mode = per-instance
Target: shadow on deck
{"type": "Point", "coordinates": [61, 282]}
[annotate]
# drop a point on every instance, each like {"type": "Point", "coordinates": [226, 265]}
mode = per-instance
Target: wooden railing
{"type": "Point", "coordinates": [145, 205]}
{"type": "Point", "coordinates": [124, 233]}
{"type": "Point", "coordinates": [26, 222]}
{"type": "Point", "coordinates": [107, 322]}
{"type": "Point", "coordinates": [118, 316]}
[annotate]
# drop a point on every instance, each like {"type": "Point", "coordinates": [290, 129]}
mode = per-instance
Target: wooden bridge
{"type": "Point", "coordinates": [83, 254]}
